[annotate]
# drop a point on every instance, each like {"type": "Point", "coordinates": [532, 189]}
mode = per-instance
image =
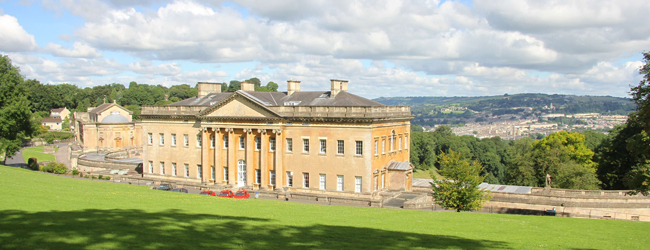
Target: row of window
{"type": "Point", "coordinates": [391, 144]}
{"type": "Point", "coordinates": [340, 182]}
{"type": "Point", "coordinates": [340, 146]}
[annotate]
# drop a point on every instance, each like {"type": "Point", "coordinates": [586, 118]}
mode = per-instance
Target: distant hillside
{"type": "Point", "coordinates": [458, 110]}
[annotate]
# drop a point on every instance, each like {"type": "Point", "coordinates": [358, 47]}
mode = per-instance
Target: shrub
{"type": "Point", "coordinates": [108, 178]}
{"type": "Point", "coordinates": [100, 177]}
{"type": "Point", "coordinates": [54, 167]}
{"type": "Point", "coordinates": [75, 171]}
{"type": "Point", "coordinates": [94, 177]}
{"type": "Point", "coordinates": [85, 176]}
{"type": "Point", "coordinates": [32, 163]}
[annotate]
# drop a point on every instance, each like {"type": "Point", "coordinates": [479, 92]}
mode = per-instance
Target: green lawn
{"type": "Point", "coordinates": [42, 211]}
{"type": "Point", "coordinates": [424, 174]}
{"type": "Point", "coordinates": [38, 153]}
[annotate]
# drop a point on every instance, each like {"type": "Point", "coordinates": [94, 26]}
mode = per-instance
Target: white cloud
{"type": "Point", "coordinates": [146, 67]}
{"type": "Point", "coordinates": [13, 37]}
{"type": "Point", "coordinates": [79, 49]}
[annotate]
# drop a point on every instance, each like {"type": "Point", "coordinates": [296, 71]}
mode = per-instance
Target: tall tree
{"type": "Point", "coordinates": [639, 144]}
{"type": "Point", "coordinates": [459, 191]}
{"type": "Point", "coordinates": [15, 115]}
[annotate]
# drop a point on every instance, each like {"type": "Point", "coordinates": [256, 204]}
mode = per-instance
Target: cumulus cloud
{"type": "Point", "coordinates": [146, 67]}
{"type": "Point", "coordinates": [13, 37]}
{"type": "Point", "coordinates": [79, 49]}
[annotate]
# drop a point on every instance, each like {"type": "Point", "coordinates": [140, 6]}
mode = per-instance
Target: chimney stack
{"type": "Point", "coordinates": [293, 86]}
{"type": "Point", "coordinates": [247, 86]}
{"type": "Point", "coordinates": [206, 88]}
{"type": "Point", "coordinates": [338, 86]}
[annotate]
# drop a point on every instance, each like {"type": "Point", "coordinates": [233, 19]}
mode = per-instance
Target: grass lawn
{"type": "Point", "coordinates": [423, 174]}
{"type": "Point", "coordinates": [38, 153]}
{"type": "Point", "coordinates": [42, 211]}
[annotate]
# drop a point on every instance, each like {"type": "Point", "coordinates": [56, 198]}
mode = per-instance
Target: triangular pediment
{"type": "Point", "coordinates": [238, 106]}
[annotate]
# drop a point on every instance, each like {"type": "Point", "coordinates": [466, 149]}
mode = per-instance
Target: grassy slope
{"type": "Point", "coordinates": [38, 153]}
{"type": "Point", "coordinates": [38, 210]}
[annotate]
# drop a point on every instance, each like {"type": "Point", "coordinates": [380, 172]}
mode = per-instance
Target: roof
{"type": "Point", "coordinates": [304, 98]}
{"type": "Point", "coordinates": [57, 119]}
{"type": "Point", "coordinates": [403, 166]}
{"type": "Point", "coordinates": [105, 106]}
{"type": "Point", "coordinates": [57, 110]}
{"type": "Point", "coordinates": [115, 118]}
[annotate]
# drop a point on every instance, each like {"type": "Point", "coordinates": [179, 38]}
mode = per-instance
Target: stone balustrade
{"type": "Point", "coordinates": [171, 110]}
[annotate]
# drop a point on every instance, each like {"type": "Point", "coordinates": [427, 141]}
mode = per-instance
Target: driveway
{"type": "Point", "coordinates": [16, 160]}
{"type": "Point", "coordinates": [63, 154]}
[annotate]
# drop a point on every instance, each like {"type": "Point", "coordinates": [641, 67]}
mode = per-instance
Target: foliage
{"type": "Point", "coordinates": [54, 167]}
{"type": "Point", "coordinates": [15, 115]}
{"type": "Point", "coordinates": [75, 171]}
{"type": "Point", "coordinates": [639, 144]}
{"type": "Point", "coordinates": [459, 190]}
{"type": "Point", "coordinates": [32, 163]}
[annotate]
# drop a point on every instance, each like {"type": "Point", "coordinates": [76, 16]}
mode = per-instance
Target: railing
{"type": "Point", "coordinates": [361, 112]}
{"type": "Point", "coordinates": [107, 164]}
{"type": "Point", "coordinates": [582, 193]}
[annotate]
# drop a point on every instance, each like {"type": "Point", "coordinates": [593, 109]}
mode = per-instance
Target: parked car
{"type": "Point", "coordinates": [165, 187]}
{"type": "Point", "coordinates": [180, 190]}
{"type": "Point", "coordinates": [208, 193]}
{"type": "Point", "coordinates": [226, 194]}
{"type": "Point", "coordinates": [241, 194]}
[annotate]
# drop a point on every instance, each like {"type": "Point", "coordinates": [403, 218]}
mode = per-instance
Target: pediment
{"type": "Point", "coordinates": [238, 107]}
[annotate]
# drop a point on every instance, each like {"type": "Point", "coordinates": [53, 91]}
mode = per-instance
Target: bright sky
{"type": "Point", "coordinates": [383, 47]}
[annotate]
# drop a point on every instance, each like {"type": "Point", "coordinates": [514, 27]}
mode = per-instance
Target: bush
{"type": "Point", "coordinates": [94, 177]}
{"type": "Point", "coordinates": [54, 167]}
{"type": "Point", "coordinates": [100, 177]}
{"type": "Point", "coordinates": [108, 178]}
{"type": "Point", "coordinates": [85, 176]}
{"type": "Point", "coordinates": [32, 163]}
{"type": "Point", "coordinates": [75, 171]}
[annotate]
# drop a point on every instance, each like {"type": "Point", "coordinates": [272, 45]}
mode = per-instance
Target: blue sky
{"type": "Point", "coordinates": [384, 48]}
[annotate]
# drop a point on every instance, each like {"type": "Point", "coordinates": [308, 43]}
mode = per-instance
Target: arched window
{"type": "Point", "coordinates": [392, 138]}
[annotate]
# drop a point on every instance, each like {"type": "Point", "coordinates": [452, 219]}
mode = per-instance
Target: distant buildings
{"type": "Point", "coordinates": [52, 123]}
{"type": "Point", "coordinates": [60, 113]}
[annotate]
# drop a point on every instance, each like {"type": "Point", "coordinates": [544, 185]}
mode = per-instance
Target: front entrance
{"type": "Point", "coordinates": [241, 173]}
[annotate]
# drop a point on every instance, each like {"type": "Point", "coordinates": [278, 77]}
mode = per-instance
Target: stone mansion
{"type": "Point", "coordinates": [314, 141]}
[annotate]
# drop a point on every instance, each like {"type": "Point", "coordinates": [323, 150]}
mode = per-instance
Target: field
{"type": "Point", "coordinates": [42, 211]}
{"type": "Point", "coordinates": [38, 153]}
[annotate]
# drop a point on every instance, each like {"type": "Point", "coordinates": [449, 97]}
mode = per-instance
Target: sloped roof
{"type": "Point", "coordinates": [57, 109]}
{"type": "Point", "coordinates": [115, 118]}
{"type": "Point", "coordinates": [303, 98]}
{"type": "Point", "coordinates": [105, 106]}
{"type": "Point", "coordinates": [56, 119]}
{"type": "Point", "coordinates": [395, 165]}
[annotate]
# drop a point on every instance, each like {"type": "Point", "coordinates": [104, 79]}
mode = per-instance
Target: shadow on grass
{"type": "Point", "coordinates": [173, 229]}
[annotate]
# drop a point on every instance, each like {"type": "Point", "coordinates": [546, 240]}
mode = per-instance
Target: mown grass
{"type": "Point", "coordinates": [426, 174]}
{"type": "Point", "coordinates": [42, 211]}
{"type": "Point", "coordinates": [37, 152]}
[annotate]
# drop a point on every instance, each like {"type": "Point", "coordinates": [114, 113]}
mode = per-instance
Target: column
{"type": "Point", "coordinates": [231, 161]}
{"type": "Point", "coordinates": [279, 152]}
{"type": "Point", "coordinates": [218, 145]}
{"type": "Point", "coordinates": [263, 154]}
{"type": "Point", "coordinates": [205, 155]}
{"type": "Point", "coordinates": [250, 150]}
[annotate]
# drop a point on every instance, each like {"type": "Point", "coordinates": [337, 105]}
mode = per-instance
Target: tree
{"type": "Point", "coordinates": [15, 113]}
{"type": "Point", "coordinates": [639, 144]}
{"type": "Point", "coordinates": [459, 191]}
{"type": "Point", "coordinates": [614, 159]}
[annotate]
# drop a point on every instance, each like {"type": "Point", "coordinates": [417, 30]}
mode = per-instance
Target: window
{"type": "Point", "coordinates": [212, 174]}
{"type": "Point", "coordinates": [383, 146]}
{"type": "Point", "coordinates": [272, 144]}
{"type": "Point", "coordinates": [289, 179]}
{"type": "Point", "coordinates": [340, 147]}
{"type": "Point", "coordinates": [151, 167]}
{"type": "Point", "coordinates": [162, 168]}
{"type": "Point", "coordinates": [406, 143]}
{"type": "Point", "coordinates": [173, 139]}
{"type": "Point", "coordinates": [258, 143]}
{"type": "Point", "coordinates": [339, 183]}
{"type": "Point", "coordinates": [186, 140]}
{"type": "Point", "coordinates": [150, 138]}
{"type": "Point", "coordinates": [323, 179]}
{"type": "Point", "coordinates": [357, 184]}
{"type": "Point", "coordinates": [391, 142]}
{"type": "Point", "coordinates": [305, 145]}
{"type": "Point", "coordinates": [258, 176]}
{"type": "Point", "coordinates": [399, 142]}
{"type": "Point", "coordinates": [198, 140]}
{"type": "Point", "coordinates": [305, 180]}
{"type": "Point", "coordinates": [162, 139]}
{"type": "Point", "coordinates": [383, 181]}
{"type": "Point", "coordinates": [323, 146]}
{"type": "Point", "coordinates": [375, 147]}
{"type": "Point", "coordinates": [212, 141]}
{"type": "Point", "coordinates": [376, 183]}
{"type": "Point", "coordinates": [289, 145]}
{"type": "Point", "coordinates": [358, 147]}
{"type": "Point", "coordinates": [225, 141]}
{"type": "Point", "coordinates": [241, 142]}
{"type": "Point", "coordinates": [199, 171]}
{"type": "Point", "coordinates": [187, 170]}
{"type": "Point", "coordinates": [272, 177]}
{"type": "Point", "coordinates": [225, 173]}
{"type": "Point", "coordinates": [173, 168]}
